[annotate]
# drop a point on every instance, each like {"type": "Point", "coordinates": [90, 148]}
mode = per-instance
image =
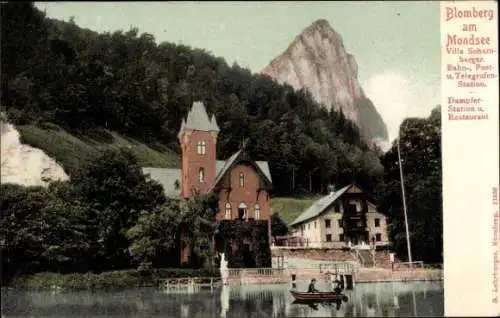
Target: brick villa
{"type": "Point", "coordinates": [242, 184]}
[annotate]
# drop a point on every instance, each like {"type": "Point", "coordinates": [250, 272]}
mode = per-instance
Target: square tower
{"type": "Point", "coordinates": [198, 140]}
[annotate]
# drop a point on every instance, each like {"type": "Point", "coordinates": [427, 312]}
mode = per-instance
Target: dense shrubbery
{"type": "Point", "coordinates": [108, 280]}
{"type": "Point", "coordinates": [108, 217]}
{"type": "Point", "coordinates": [245, 243]}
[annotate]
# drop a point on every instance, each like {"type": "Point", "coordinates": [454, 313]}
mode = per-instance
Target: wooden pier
{"type": "Point", "coordinates": [189, 284]}
{"type": "Point", "coordinates": [342, 271]}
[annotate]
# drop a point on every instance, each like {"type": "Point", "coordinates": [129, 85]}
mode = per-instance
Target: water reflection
{"type": "Point", "coordinates": [368, 300]}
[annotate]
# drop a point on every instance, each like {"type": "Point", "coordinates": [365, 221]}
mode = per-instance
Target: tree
{"type": "Point", "coordinates": [278, 226]}
{"type": "Point", "coordinates": [114, 185]}
{"type": "Point", "coordinates": [198, 226]}
{"type": "Point", "coordinates": [67, 243]}
{"type": "Point", "coordinates": [21, 229]}
{"type": "Point", "coordinates": [420, 146]}
{"type": "Point", "coordinates": [154, 237]}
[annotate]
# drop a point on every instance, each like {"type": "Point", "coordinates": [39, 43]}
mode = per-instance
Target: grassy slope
{"type": "Point", "coordinates": [72, 151]}
{"type": "Point", "coordinates": [290, 208]}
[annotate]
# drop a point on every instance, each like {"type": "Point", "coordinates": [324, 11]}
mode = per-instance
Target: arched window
{"type": "Point", "coordinates": [242, 179]}
{"type": "Point", "coordinates": [256, 212]}
{"type": "Point", "coordinates": [228, 211]}
{"type": "Point", "coordinates": [201, 175]}
{"type": "Point", "coordinates": [242, 211]}
{"type": "Point", "coordinates": [201, 147]}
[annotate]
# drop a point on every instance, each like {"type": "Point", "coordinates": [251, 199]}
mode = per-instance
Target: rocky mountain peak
{"type": "Point", "coordinates": [317, 60]}
{"type": "Point", "coordinates": [322, 27]}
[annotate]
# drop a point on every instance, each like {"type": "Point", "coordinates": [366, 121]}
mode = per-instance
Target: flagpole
{"type": "Point", "coordinates": [408, 245]}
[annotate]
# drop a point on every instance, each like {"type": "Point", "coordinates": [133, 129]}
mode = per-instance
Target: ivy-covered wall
{"type": "Point", "coordinates": [245, 243]}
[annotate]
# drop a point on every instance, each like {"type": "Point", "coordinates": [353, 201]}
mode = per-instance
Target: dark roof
{"type": "Point", "coordinates": [167, 177]}
{"type": "Point", "coordinates": [197, 119]}
{"type": "Point", "coordinates": [319, 206]}
{"type": "Point", "coordinates": [323, 203]}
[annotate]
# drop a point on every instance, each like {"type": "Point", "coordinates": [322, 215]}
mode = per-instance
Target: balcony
{"type": "Point", "coordinates": [355, 227]}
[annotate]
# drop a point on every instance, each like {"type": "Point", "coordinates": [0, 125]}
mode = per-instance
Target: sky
{"type": "Point", "coordinates": [395, 43]}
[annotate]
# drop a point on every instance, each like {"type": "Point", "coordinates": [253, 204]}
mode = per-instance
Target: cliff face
{"type": "Point", "coordinates": [25, 165]}
{"type": "Point", "coordinates": [317, 60]}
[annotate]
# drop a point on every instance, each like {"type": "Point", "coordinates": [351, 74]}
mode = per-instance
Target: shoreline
{"type": "Point", "coordinates": [399, 280]}
{"type": "Point", "coordinates": [361, 276]}
{"type": "Point", "coordinates": [132, 279]}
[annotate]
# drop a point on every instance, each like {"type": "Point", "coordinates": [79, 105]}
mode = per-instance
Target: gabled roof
{"type": "Point", "coordinates": [167, 177]}
{"type": "Point", "coordinates": [197, 119]}
{"type": "Point", "coordinates": [319, 206]}
{"type": "Point", "coordinates": [263, 166]}
{"type": "Point", "coordinates": [227, 163]}
{"type": "Point", "coordinates": [222, 166]}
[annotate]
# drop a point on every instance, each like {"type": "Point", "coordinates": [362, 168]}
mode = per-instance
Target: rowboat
{"type": "Point", "coordinates": [318, 296]}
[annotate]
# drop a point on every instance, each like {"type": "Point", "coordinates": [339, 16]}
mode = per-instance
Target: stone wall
{"type": "Point", "coordinates": [371, 275]}
{"type": "Point", "coordinates": [382, 258]}
{"type": "Point", "coordinates": [362, 275]}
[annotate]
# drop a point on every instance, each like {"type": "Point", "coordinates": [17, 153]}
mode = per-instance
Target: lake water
{"type": "Point", "coordinates": [366, 300]}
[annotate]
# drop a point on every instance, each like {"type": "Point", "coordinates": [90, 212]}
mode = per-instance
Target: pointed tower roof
{"type": "Point", "coordinates": [214, 123]}
{"type": "Point", "coordinates": [183, 125]}
{"type": "Point", "coordinates": [197, 119]}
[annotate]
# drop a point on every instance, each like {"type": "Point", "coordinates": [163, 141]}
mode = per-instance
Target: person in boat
{"type": "Point", "coordinates": [336, 283]}
{"type": "Point", "coordinates": [312, 287]}
{"type": "Point", "coordinates": [338, 286]}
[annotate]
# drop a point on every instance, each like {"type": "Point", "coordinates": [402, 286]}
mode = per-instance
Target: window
{"type": "Point", "coordinates": [377, 222]}
{"type": "Point", "coordinates": [201, 175]}
{"type": "Point", "coordinates": [328, 223]}
{"type": "Point", "coordinates": [356, 205]}
{"type": "Point", "coordinates": [314, 224]}
{"type": "Point", "coordinates": [351, 208]}
{"type": "Point", "coordinates": [337, 207]}
{"type": "Point", "coordinates": [378, 237]}
{"type": "Point", "coordinates": [256, 212]}
{"type": "Point", "coordinates": [201, 147]}
{"type": "Point", "coordinates": [242, 211]}
{"type": "Point", "coordinates": [308, 226]}
{"type": "Point", "coordinates": [228, 211]}
{"type": "Point", "coordinates": [341, 237]}
{"type": "Point", "coordinates": [328, 237]}
{"type": "Point", "coordinates": [242, 179]}
{"type": "Point", "coordinates": [339, 223]}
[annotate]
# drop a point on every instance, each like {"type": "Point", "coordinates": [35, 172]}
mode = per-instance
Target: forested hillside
{"type": "Point", "coordinates": [56, 72]}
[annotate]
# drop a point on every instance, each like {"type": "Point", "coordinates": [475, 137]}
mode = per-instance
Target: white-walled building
{"type": "Point", "coordinates": [343, 218]}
